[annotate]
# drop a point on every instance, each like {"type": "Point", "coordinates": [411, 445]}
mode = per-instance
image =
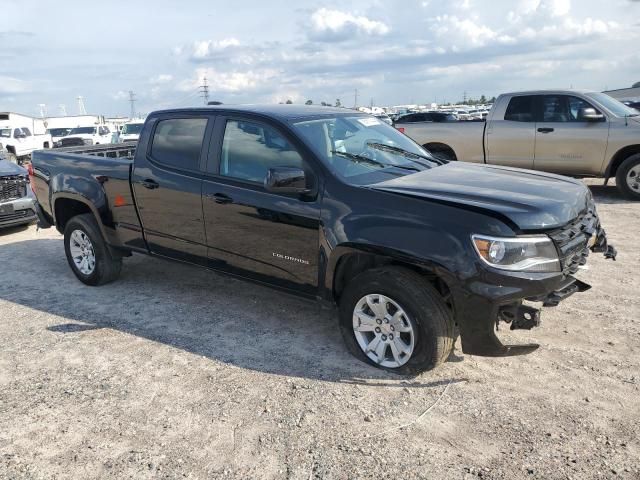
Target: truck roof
{"type": "Point", "coordinates": [559, 91]}
{"type": "Point", "coordinates": [280, 111]}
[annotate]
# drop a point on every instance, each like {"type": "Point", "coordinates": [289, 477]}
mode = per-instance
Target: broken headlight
{"type": "Point", "coordinates": [535, 253]}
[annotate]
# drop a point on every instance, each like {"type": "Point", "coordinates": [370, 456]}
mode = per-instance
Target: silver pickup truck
{"type": "Point", "coordinates": [570, 132]}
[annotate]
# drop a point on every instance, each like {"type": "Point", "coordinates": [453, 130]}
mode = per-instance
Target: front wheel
{"type": "Point", "coordinates": [394, 319]}
{"type": "Point", "coordinates": [87, 253]}
{"type": "Point", "coordinates": [628, 177]}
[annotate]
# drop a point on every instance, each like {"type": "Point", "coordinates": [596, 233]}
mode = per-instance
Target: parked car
{"type": "Point", "coordinates": [57, 134]}
{"type": "Point", "coordinates": [94, 135]}
{"type": "Point", "coordinates": [16, 198]}
{"type": "Point", "coordinates": [425, 117]}
{"type": "Point", "coordinates": [130, 132]}
{"type": "Point", "coordinates": [334, 205]}
{"type": "Point", "coordinates": [19, 142]}
{"type": "Point", "coordinates": [385, 118]}
{"type": "Point", "coordinates": [570, 132]}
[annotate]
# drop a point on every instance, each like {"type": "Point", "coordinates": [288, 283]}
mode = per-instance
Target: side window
{"type": "Point", "coordinates": [250, 149]}
{"type": "Point", "coordinates": [555, 108]}
{"type": "Point", "coordinates": [177, 142]}
{"type": "Point", "coordinates": [17, 132]}
{"type": "Point", "coordinates": [575, 105]}
{"type": "Point", "coordinates": [26, 131]}
{"type": "Point", "coordinates": [520, 109]}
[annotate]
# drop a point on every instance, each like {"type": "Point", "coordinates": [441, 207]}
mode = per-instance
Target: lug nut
{"type": "Point", "coordinates": [392, 328]}
{"type": "Point", "coordinates": [384, 338]}
{"type": "Point", "coordinates": [378, 330]}
{"type": "Point", "coordinates": [378, 321]}
{"type": "Point", "coordinates": [386, 320]}
{"type": "Point", "coordinates": [391, 336]}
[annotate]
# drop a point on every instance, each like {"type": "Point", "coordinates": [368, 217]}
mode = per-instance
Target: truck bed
{"type": "Point", "coordinates": [96, 176]}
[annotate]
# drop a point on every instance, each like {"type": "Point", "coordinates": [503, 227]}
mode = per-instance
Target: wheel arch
{"type": "Point", "coordinates": [440, 147]}
{"type": "Point", "coordinates": [65, 206]}
{"type": "Point", "coordinates": [349, 261]}
{"type": "Point", "coordinates": [619, 157]}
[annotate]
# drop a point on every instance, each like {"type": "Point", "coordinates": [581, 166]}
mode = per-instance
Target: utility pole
{"type": "Point", "coordinates": [63, 109]}
{"type": "Point", "coordinates": [355, 102]}
{"type": "Point", "coordinates": [371, 103]}
{"type": "Point", "coordinates": [204, 89]}
{"type": "Point", "coordinates": [81, 109]}
{"type": "Point", "coordinates": [464, 97]}
{"type": "Point", "coordinates": [132, 101]}
{"type": "Point", "coordinates": [43, 110]}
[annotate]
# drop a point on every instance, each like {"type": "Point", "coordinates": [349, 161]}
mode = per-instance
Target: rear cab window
{"type": "Point", "coordinates": [521, 109]}
{"type": "Point", "coordinates": [177, 142]}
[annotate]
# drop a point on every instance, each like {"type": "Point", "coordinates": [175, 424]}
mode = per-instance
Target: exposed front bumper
{"type": "Point", "coordinates": [496, 296]}
{"type": "Point", "coordinates": [17, 212]}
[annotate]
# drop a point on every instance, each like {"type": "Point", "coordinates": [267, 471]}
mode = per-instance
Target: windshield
{"type": "Point", "coordinates": [619, 109]}
{"type": "Point", "coordinates": [58, 132]}
{"type": "Point", "coordinates": [132, 128]}
{"type": "Point", "coordinates": [80, 130]}
{"type": "Point", "coordinates": [5, 133]}
{"type": "Point", "coordinates": [362, 149]}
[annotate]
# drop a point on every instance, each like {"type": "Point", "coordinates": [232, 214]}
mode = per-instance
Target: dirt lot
{"type": "Point", "coordinates": [175, 372]}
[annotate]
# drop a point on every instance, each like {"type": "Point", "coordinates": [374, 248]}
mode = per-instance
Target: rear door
{"type": "Point", "coordinates": [510, 138]}
{"type": "Point", "coordinates": [565, 142]}
{"type": "Point", "coordinates": [167, 183]}
{"type": "Point", "coordinates": [250, 232]}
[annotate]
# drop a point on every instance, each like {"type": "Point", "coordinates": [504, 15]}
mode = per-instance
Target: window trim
{"type": "Point", "coordinates": [566, 100]}
{"type": "Point", "coordinates": [204, 147]}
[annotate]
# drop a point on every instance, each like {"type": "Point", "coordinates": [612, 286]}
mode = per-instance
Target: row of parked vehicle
{"type": "Point", "coordinates": [95, 134]}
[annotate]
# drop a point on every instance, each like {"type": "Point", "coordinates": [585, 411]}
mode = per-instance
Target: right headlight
{"type": "Point", "coordinates": [535, 253]}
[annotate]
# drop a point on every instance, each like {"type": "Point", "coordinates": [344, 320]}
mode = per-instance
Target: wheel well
{"type": "Point", "coordinates": [442, 148]}
{"type": "Point", "coordinates": [46, 145]}
{"type": "Point", "coordinates": [11, 149]}
{"type": "Point", "coordinates": [620, 156]}
{"type": "Point", "coordinates": [353, 264]}
{"type": "Point", "coordinates": [67, 208]}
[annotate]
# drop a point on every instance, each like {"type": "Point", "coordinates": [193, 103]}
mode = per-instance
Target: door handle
{"type": "Point", "coordinates": [150, 184]}
{"type": "Point", "coordinates": [545, 130]}
{"type": "Point", "coordinates": [220, 198]}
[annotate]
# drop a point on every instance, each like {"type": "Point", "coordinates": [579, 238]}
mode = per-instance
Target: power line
{"type": "Point", "coordinates": [204, 90]}
{"type": "Point", "coordinates": [132, 101]}
{"type": "Point", "coordinates": [81, 109]}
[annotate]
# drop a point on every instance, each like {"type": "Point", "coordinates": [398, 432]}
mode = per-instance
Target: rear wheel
{"type": "Point", "coordinates": [394, 319]}
{"type": "Point", "coordinates": [87, 253]}
{"type": "Point", "coordinates": [628, 177]}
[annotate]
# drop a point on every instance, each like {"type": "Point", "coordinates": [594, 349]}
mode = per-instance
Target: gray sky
{"type": "Point", "coordinates": [393, 52]}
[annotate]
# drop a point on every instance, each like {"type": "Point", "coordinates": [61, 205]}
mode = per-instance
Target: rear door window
{"type": "Point", "coordinates": [177, 142]}
{"type": "Point", "coordinates": [521, 109]}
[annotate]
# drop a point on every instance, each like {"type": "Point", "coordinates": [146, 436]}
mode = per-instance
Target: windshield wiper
{"type": "Point", "coordinates": [362, 159]}
{"type": "Point", "coordinates": [408, 154]}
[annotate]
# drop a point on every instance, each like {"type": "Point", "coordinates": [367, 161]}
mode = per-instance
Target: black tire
{"type": "Point", "coordinates": [631, 164]}
{"type": "Point", "coordinates": [431, 319]}
{"type": "Point", "coordinates": [107, 267]}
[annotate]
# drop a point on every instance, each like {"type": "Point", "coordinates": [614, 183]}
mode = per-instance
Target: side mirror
{"type": "Point", "coordinates": [286, 180]}
{"type": "Point", "coordinates": [589, 115]}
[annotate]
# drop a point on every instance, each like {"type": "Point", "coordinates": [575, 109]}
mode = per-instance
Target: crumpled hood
{"type": "Point", "coordinates": [9, 168]}
{"type": "Point", "coordinates": [532, 200]}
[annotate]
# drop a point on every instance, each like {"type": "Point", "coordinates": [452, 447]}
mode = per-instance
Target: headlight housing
{"type": "Point", "coordinates": [535, 253]}
{"type": "Point", "coordinates": [87, 141]}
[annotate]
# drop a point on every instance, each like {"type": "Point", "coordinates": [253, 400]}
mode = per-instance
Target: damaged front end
{"type": "Point", "coordinates": [504, 303]}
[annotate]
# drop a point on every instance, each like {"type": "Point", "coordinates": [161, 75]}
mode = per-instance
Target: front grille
{"type": "Point", "coordinates": [12, 187]}
{"type": "Point", "coordinates": [15, 216]}
{"type": "Point", "coordinates": [572, 240]}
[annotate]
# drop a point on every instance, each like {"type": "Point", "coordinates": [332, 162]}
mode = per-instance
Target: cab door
{"type": "Point", "coordinates": [251, 232]}
{"type": "Point", "coordinates": [510, 138]}
{"type": "Point", "coordinates": [167, 184]}
{"type": "Point", "coordinates": [566, 143]}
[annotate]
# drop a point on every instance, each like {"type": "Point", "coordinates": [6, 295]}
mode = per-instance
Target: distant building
{"type": "Point", "coordinates": [625, 94]}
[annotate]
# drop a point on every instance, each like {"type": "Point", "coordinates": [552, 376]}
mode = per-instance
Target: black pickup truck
{"type": "Point", "coordinates": [334, 205]}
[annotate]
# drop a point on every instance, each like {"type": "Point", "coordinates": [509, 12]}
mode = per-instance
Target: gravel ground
{"type": "Point", "coordinates": [177, 372]}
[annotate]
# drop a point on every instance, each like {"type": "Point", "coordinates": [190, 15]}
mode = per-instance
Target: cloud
{"type": "Point", "coordinates": [230, 81]}
{"type": "Point", "coordinates": [161, 79]}
{"type": "Point", "coordinates": [10, 85]}
{"type": "Point", "coordinates": [208, 49]}
{"type": "Point", "coordinates": [335, 25]}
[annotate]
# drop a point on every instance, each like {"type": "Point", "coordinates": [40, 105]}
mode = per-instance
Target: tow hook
{"type": "Point", "coordinates": [521, 317]}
